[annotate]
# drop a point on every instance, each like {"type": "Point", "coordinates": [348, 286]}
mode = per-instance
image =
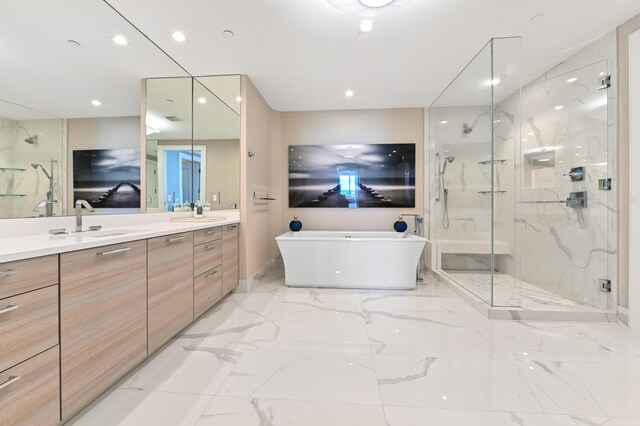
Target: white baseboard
{"type": "Point", "coordinates": [623, 315]}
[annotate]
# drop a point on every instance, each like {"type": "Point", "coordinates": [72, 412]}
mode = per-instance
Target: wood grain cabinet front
{"type": "Point", "coordinates": [103, 319]}
{"type": "Point", "coordinates": [170, 288]}
{"type": "Point", "coordinates": [28, 325]}
{"type": "Point", "coordinates": [27, 275]}
{"type": "Point", "coordinates": [30, 391]}
{"type": "Point", "coordinates": [230, 265]}
{"type": "Point", "coordinates": [207, 290]}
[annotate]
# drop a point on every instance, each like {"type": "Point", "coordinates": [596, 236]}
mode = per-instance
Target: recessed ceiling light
{"type": "Point", "coordinates": [168, 100]}
{"type": "Point", "coordinates": [239, 99]}
{"type": "Point", "coordinates": [365, 26]}
{"type": "Point", "coordinates": [572, 80]}
{"type": "Point", "coordinates": [119, 39]}
{"type": "Point", "coordinates": [348, 156]}
{"type": "Point", "coordinates": [493, 82]}
{"type": "Point", "coordinates": [530, 134]}
{"type": "Point", "coordinates": [444, 122]}
{"type": "Point", "coordinates": [496, 121]}
{"type": "Point", "coordinates": [524, 139]}
{"type": "Point", "coordinates": [537, 18]}
{"type": "Point", "coordinates": [96, 102]}
{"type": "Point", "coordinates": [348, 93]}
{"type": "Point", "coordinates": [376, 3]}
{"type": "Point", "coordinates": [559, 107]}
{"type": "Point", "coordinates": [202, 100]}
{"type": "Point", "coordinates": [545, 159]}
{"type": "Point", "coordinates": [228, 33]}
{"type": "Point", "coordinates": [368, 8]}
{"type": "Point", "coordinates": [74, 43]}
{"type": "Point", "coordinates": [178, 36]}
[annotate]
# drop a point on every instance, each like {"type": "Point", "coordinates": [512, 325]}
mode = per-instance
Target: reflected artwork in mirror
{"type": "Point", "coordinates": [68, 84]}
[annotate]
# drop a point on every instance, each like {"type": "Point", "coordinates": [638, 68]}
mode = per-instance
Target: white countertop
{"type": "Point", "coordinates": [29, 246]}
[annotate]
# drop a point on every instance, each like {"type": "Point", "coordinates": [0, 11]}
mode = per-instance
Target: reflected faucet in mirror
{"type": "Point", "coordinates": [79, 205]}
{"type": "Point", "coordinates": [48, 203]}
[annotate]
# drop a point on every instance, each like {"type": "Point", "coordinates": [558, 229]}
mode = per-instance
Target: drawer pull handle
{"type": "Point", "coordinates": [210, 246]}
{"type": "Point", "coordinates": [232, 226]}
{"type": "Point", "coordinates": [213, 231]}
{"type": "Point", "coordinates": [12, 379]}
{"type": "Point", "coordinates": [116, 251]}
{"type": "Point", "coordinates": [173, 240]}
{"type": "Point", "coordinates": [211, 274]}
{"type": "Point", "coordinates": [8, 309]}
{"type": "Point", "coordinates": [7, 272]}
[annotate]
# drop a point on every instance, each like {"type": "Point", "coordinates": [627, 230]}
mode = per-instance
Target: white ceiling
{"type": "Point", "coordinates": [304, 54]}
{"type": "Point", "coordinates": [301, 54]}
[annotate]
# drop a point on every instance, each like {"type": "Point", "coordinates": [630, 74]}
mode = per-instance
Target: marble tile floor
{"type": "Point", "coordinates": [291, 356]}
{"type": "Point", "coordinates": [510, 291]}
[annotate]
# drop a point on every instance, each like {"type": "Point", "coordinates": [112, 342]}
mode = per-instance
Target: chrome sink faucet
{"type": "Point", "coordinates": [79, 205]}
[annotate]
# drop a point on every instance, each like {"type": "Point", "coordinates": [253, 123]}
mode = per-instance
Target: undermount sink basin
{"type": "Point", "coordinates": [199, 219]}
{"type": "Point", "coordinates": [107, 233]}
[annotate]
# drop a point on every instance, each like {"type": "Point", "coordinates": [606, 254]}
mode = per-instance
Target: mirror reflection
{"type": "Point", "coordinates": [193, 143]}
{"type": "Point", "coordinates": [74, 92]}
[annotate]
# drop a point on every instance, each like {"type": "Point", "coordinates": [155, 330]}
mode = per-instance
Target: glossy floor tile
{"type": "Point", "coordinates": [293, 356]}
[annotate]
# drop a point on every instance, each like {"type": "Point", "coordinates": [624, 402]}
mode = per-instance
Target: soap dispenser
{"type": "Point", "coordinates": [197, 210]}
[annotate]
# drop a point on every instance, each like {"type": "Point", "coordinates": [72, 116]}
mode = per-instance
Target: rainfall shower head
{"type": "Point", "coordinates": [466, 129]}
{"type": "Point", "coordinates": [32, 139]}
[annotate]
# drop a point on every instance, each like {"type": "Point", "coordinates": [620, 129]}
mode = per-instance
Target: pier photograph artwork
{"type": "Point", "coordinates": [352, 176]}
{"type": "Point", "coordinates": [107, 178]}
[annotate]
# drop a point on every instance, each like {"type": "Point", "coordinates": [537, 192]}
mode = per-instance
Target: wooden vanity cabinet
{"type": "Point", "coordinates": [230, 266]}
{"type": "Point", "coordinates": [103, 319]}
{"type": "Point", "coordinates": [29, 351]}
{"type": "Point", "coordinates": [170, 287]}
{"type": "Point", "coordinates": [207, 269]}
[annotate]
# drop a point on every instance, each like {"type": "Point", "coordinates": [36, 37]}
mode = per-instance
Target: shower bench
{"type": "Point", "coordinates": [436, 248]}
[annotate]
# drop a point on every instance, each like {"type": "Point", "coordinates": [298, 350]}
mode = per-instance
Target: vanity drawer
{"type": "Point", "coordinates": [30, 391]}
{"type": "Point", "coordinates": [28, 325]}
{"type": "Point", "coordinates": [26, 275]}
{"type": "Point", "coordinates": [206, 256]}
{"type": "Point", "coordinates": [83, 264]}
{"type": "Point", "coordinates": [207, 291]}
{"type": "Point", "coordinates": [206, 235]}
{"type": "Point", "coordinates": [230, 266]}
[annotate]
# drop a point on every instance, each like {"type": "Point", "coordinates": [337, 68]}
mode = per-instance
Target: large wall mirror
{"type": "Point", "coordinates": [193, 143]}
{"type": "Point", "coordinates": [70, 124]}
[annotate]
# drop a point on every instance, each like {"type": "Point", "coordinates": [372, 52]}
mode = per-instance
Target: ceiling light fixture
{"type": "Point", "coordinates": [202, 100]}
{"type": "Point", "coordinates": [365, 26]}
{"type": "Point", "coordinates": [348, 93]}
{"type": "Point", "coordinates": [493, 82]}
{"type": "Point", "coordinates": [96, 102]}
{"type": "Point", "coordinates": [572, 80]}
{"type": "Point", "coordinates": [178, 36]}
{"type": "Point", "coordinates": [368, 7]}
{"type": "Point", "coordinates": [444, 122]}
{"type": "Point", "coordinates": [228, 33]}
{"type": "Point", "coordinates": [559, 107]}
{"type": "Point", "coordinates": [120, 40]}
{"type": "Point", "coordinates": [239, 99]}
{"type": "Point", "coordinates": [74, 43]}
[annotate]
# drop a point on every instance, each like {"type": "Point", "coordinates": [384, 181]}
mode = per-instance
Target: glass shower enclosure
{"type": "Point", "coordinates": [518, 213]}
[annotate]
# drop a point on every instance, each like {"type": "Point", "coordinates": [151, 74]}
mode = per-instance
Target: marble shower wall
{"type": "Point", "coordinates": [565, 123]}
{"type": "Point", "coordinates": [15, 153]}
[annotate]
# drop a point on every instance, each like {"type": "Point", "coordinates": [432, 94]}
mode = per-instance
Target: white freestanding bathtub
{"type": "Point", "coordinates": [361, 259]}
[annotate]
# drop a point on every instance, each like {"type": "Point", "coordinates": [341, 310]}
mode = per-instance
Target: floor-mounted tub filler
{"type": "Point", "coordinates": [359, 259]}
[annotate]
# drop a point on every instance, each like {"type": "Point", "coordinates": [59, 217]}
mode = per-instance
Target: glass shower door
{"type": "Point", "coordinates": [562, 228]}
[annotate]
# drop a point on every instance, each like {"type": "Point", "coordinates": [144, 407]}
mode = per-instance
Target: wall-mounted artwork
{"type": "Point", "coordinates": [107, 178]}
{"type": "Point", "coordinates": [352, 176]}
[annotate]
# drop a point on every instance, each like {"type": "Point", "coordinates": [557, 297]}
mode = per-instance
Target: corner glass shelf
{"type": "Point", "coordinates": [492, 192]}
{"type": "Point", "coordinates": [13, 195]}
{"type": "Point", "coordinates": [492, 162]}
{"type": "Point", "coordinates": [11, 169]}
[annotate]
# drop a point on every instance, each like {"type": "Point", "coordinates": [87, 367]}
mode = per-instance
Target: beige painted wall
{"type": "Point", "coordinates": [624, 31]}
{"type": "Point", "coordinates": [343, 127]}
{"type": "Point", "coordinates": [255, 176]}
{"type": "Point", "coordinates": [98, 133]}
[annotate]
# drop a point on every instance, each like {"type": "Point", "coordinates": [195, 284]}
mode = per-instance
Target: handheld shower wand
{"type": "Point", "coordinates": [50, 200]}
{"type": "Point", "coordinates": [445, 192]}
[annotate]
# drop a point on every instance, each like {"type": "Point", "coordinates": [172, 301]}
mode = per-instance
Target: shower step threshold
{"type": "Point", "coordinates": [582, 313]}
